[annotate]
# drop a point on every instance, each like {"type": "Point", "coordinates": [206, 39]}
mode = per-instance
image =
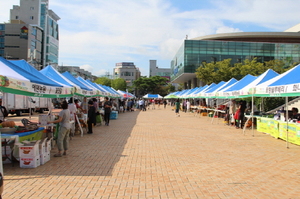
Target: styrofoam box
{"type": "Point", "coordinates": [45, 157]}
{"type": "Point", "coordinates": [30, 162]}
{"type": "Point", "coordinates": [42, 146]}
{"type": "Point", "coordinates": [48, 146]}
{"type": "Point", "coordinates": [29, 150]}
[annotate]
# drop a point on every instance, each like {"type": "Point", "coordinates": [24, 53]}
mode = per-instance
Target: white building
{"type": "Point", "coordinates": [154, 70]}
{"type": "Point", "coordinates": [127, 71]}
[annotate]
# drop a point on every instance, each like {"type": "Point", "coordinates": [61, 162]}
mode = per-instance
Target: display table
{"type": "Point", "coordinates": [29, 136]}
{"type": "Point", "coordinates": [12, 139]}
{"type": "Point", "coordinates": [278, 129]}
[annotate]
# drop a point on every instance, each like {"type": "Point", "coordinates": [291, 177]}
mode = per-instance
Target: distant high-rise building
{"type": "Point", "coordinates": [22, 41]}
{"type": "Point", "coordinates": [154, 70]}
{"type": "Point", "coordinates": [127, 71]}
{"type": "Point", "coordinates": [36, 27]}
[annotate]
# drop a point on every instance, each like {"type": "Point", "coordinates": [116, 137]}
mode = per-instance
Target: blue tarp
{"type": "Point", "coordinates": [29, 72]}
{"type": "Point", "coordinates": [75, 81]}
{"type": "Point", "coordinates": [50, 72]}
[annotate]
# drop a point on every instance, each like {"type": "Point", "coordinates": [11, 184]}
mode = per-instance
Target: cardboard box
{"type": "Point", "coordinates": [44, 119]}
{"type": "Point", "coordinates": [45, 157]}
{"type": "Point", "coordinates": [30, 162]}
{"type": "Point", "coordinates": [29, 150]}
{"type": "Point", "coordinates": [48, 146]}
{"type": "Point", "coordinates": [42, 146]}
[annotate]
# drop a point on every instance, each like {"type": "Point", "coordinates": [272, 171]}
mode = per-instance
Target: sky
{"type": "Point", "coordinates": [97, 34]}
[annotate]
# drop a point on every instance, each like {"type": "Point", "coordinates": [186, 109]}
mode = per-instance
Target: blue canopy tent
{"type": "Point", "coordinates": [36, 76]}
{"type": "Point", "coordinates": [50, 72]}
{"type": "Point", "coordinates": [39, 85]}
{"type": "Point", "coordinates": [234, 90]}
{"type": "Point", "coordinates": [283, 85]}
{"type": "Point", "coordinates": [200, 94]}
{"type": "Point", "coordinates": [150, 96]}
{"type": "Point", "coordinates": [75, 81]}
{"type": "Point", "coordinates": [209, 93]}
{"type": "Point", "coordinates": [190, 91]}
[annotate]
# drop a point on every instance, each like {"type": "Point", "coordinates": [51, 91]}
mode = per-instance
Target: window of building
{"type": "Point", "coordinates": [17, 17]}
{"type": "Point", "coordinates": [31, 8]}
{"type": "Point", "coordinates": [31, 17]}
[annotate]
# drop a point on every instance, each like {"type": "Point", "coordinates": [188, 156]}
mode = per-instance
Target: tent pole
{"type": "Point", "coordinates": [252, 114]}
{"type": "Point", "coordinates": [29, 107]}
{"type": "Point", "coordinates": [287, 121]}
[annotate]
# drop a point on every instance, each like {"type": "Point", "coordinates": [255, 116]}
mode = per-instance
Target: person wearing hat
{"type": "Point", "coordinates": [91, 117]}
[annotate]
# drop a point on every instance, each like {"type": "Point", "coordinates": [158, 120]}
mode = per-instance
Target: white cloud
{"type": "Point", "coordinates": [100, 33]}
{"type": "Point", "coordinates": [225, 29]}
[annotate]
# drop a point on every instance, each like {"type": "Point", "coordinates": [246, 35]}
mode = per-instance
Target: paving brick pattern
{"type": "Point", "coordinates": [154, 154]}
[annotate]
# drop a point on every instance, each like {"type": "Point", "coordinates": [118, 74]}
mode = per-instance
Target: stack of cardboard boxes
{"type": "Point", "coordinates": [34, 154]}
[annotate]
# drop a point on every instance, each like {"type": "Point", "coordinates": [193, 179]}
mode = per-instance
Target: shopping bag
{"type": "Point", "coordinates": [98, 119]}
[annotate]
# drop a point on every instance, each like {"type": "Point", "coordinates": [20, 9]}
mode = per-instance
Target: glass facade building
{"type": "Point", "coordinates": [194, 52]}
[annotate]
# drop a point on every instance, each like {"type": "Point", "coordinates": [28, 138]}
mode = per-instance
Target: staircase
{"type": "Point", "coordinates": [291, 104]}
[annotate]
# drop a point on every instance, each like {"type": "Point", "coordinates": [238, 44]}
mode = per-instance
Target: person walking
{"type": "Point", "coordinates": [64, 130]}
{"type": "Point", "coordinates": [188, 105]}
{"type": "Point", "coordinates": [184, 106]}
{"type": "Point", "coordinates": [241, 114]}
{"type": "Point", "coordinates": [72, 108]}
{"type": "Point", "coordinates": [91, 117]}
{"type": "Point", "coordinates": [153, 103]}
{"type": "Point", "coordinates": [107, 110]}
{"type": "Point", "coordinates": [165, 103]}
{"type": "Point", "coordinates": [177, 107]}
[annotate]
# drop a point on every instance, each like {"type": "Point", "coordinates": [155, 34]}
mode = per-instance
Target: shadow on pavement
{"type": "Point", "coordinates": [91, 155]}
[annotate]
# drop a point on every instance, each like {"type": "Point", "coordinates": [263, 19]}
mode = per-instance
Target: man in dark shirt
{"type": "Point", "coordinates": [107, 110]}
{"type": "Point", "coordinates": [91, 117]}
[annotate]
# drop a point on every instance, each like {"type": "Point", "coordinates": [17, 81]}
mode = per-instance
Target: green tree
{"type": "Point", "coordinates": [215, 71]}
{"type": "Point", "coordinates": [119, 84]}
{"type": "Point", "coordinates": [103, 81]}
{"type": "Point", "coordinates": [150, 85]}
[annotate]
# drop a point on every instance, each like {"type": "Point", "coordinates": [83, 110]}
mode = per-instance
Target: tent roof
{"type": "Point", "coordinates": [267, 75]}
{"type": "Point", "coordinates": [242, 83]}
{"type": "Point", "coordinates": [290, 77]}
{"type": "Point", "coordinates": [227, 84]}
{"type": "Point", "coordinates": [9, 72]}
{"type": "Point", "coordinates": [32, 77]}
{"type": "Point", "coordinates": [210, 90]}
{"type": "Point", "coordinates": [30, 69]}
{"type": "Point", "coordinates": [152, 96]}
{"type": "Point", "coordinates": [50, 72]}
{"type": "Point", "coordinates": [75, 81]}
{"type": "Point", "coordinates": [87, 83]}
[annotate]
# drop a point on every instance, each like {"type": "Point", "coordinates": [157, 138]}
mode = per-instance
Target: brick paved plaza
{"type": "Point", "coordinates": [154, 154]}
